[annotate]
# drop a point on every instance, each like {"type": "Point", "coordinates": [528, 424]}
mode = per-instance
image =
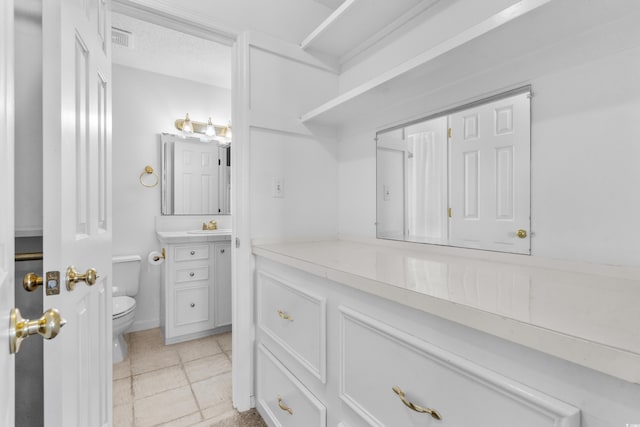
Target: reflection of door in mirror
{"type": "Point", "coordinates": [474, 193]}
{"type": "Point", "coordinates": [195, 176]}
{"type": "Point", "coordinates": [490, 164]}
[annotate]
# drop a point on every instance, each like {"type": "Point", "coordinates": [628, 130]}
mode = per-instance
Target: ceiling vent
{"type": "Point", "coordinates": [121, 38]}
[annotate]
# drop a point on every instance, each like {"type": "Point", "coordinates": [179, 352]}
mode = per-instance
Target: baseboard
{"type": "Point", "coordinates": [143, 325]}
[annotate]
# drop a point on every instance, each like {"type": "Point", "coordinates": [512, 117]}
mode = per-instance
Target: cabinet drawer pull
{"type": "Point", "coordinates": [284, 407]}
{"type": "Point", "coordinates": [221, 251]}
{"type": "Point", "coordinates": [284, 316]}
{"type": "Point", "coordinates": [192, 252]}
{"type": "Point", "coordinates": [192, 274]}
{"type": "Point", "coordinates": [434, 414]}
{"type": "Point", "coordinates": [193, 304]}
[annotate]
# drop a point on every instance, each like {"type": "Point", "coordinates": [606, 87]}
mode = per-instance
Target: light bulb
{"type": "Point", "coordinates": [228, 131]}
{"type": "Point", "coordinates": [211, 130]}
{"type": "Point", "coordinates": [187, 127]}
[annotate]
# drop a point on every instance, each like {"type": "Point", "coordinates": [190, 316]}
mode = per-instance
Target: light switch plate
{"type": "Point", "coordinates": [278, 187]}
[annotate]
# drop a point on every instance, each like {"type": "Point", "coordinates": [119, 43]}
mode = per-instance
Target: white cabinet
{"type": "Point", "coordinates": [222, 281]}
{"type": "Point", "coordinates": [195, 288]}
{"type": "Point", "coordinates": [331, 355]}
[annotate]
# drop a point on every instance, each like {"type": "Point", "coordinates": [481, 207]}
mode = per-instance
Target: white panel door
{"type": "Point", "coordinates": [77, 207]}
{"type": "Point", "coordinates": [195, 177]}
{"type": "Point", "coordinates": [7, 361]}
{"type": "Point", "coordinates": [490, 176]}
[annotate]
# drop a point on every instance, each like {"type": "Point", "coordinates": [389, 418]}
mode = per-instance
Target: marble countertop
{"type": "Point", "coordinates": [193, 236]}
{"type": "Point", "coordinates": [585, 313]}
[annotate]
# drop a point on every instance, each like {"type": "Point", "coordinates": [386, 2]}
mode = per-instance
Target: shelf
{"type": "Point", "coordinates": [357, 24]}
{"type": "Point", "coordinates": [521, 42]}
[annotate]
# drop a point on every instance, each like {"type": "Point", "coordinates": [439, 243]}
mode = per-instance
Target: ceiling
{"type": "Point", "coordinates": [173, 53]}
{"type": "Point", "coordinates": [166, 51]}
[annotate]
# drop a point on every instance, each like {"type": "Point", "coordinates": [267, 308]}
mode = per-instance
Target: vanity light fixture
{"type": "Point", "coordinates": [227, 132]}
{"type": "Point", "coordinates": [212, 131]}
{"type": "Point", "coordinates": [187, 127]}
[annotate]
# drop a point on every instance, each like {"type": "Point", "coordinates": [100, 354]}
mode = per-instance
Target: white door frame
{"type": "Point", "coordinates": [7, 279]}
{"type": "Point", "coordinates": [241, 258]}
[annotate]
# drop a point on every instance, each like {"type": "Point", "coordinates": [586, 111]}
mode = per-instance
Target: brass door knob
{"type": "Point", "coordinates": [48, 326]}
{"type": "Point", "coordinates": [521, 233]}
{"type": "Point", "coordinates": [74, 277]}
{"type": "Point", "coordinates": [31, 281]}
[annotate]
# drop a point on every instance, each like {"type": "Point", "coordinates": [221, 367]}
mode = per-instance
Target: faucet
{"type": "Point", "coordinates": [212, 225]}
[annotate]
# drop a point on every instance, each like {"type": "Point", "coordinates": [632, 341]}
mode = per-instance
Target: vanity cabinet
{"type": "Point", "coordinates": [195, 288]}
{"type": "Point", "coordinates": [329, 355]}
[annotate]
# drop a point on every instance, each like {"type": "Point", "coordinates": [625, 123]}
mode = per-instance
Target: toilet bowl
{"type": "Point", "coordinates": [123, 316]}
{"type": "Point", "coordinates": [126, 282]}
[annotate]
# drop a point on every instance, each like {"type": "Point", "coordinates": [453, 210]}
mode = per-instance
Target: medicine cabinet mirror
{"type": "Point", "coordinates": [459, 178]}
{"type": "Point", "coordinates": [195, 176]}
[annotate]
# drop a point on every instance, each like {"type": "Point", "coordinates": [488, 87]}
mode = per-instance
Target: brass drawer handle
{"type": "Point", "coordinates": [284, 316]}
{"type": "Point", "coordinates": [284, 407]}
{"type": "Point", "coordinates": [434, 414]}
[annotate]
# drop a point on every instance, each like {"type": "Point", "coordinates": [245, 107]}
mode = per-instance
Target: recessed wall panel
{"type": "Point", "coordinates": [471, 184]}
{"type": "Point", "coordinates": [102, 152]}
{"type": "Point", "coordinates": [471, 127]}
{"type": "Point", "coordinates": [504, 183]}
{"type": "Point", "coordinates": [504, 120]}
{"type": "Point", "coordinates": [82, 133]}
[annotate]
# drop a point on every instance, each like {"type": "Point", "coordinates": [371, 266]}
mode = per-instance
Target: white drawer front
{"type": "Point", "coordinates": [283, 398]}
{"type": "Point", "coordinates": [294, 319]}
{"type": "Point", "coordinates": [376, 357]}
{"type": "Point", "coordinates": [192, 274]}
{"type": "Point", "coordinates": [191, 252]}
{"type": "Point", "coordinates": [192, 305]}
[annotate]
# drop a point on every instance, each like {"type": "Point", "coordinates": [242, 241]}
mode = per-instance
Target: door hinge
{"type": "Point", "coordinates": [237, 243]}
{"type": "Point", "coordinates": [449, 212]}
{"type": "Point", "coordinates": [449, 133]}
{"type": "Point", "coordinates": [219, 162]}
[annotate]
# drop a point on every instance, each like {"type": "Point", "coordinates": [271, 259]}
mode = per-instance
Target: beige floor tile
{"type": "Point", "coordinates": [122, 391]}
{"type": "Point", "coordinates": [225, 341]}
{"type": "Point", "coordinates": [122, 370]}
{"type": "Point", "coordinates": [229, 355]}
{"type": "Point", "coordinates": [213, 391]}
{"type": "Point", "coordinates": [123, 415]}
{"type": "Point", "coordinates": [187, 421]}
{"type": "Point", "coordinates": [164, 407]}
{"type": "Point", "coordinates": [207, 367]}
{"type": "Point", "coordinates": [153, 359]}
{"type": "Point", "coordinates": [196, 349]}
{"type": "Point", "coordinates": [155, 382]}
{"type": "Point", "coordinates": [219, 412]}
{"type": "Point", "coordinates": [143, 341]}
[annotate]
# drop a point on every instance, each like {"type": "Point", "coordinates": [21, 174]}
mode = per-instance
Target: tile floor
{"type": "Point", "coordinates": [186, 384]}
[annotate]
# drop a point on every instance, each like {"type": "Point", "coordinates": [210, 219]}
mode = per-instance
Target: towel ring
{"type": "Point", "coordinates": [148, 170]}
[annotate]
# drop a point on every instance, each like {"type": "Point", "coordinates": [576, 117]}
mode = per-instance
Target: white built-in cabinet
{"type": "Point", "coordinates": [195, 289]}
{"type": "Point", "coordinates": [327, 355]}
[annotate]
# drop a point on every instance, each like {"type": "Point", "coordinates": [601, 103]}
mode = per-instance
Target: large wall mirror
{"type": "Point", "coordinates": [459, 178]}
{"type": "Point", "coordinates": [195, 176]}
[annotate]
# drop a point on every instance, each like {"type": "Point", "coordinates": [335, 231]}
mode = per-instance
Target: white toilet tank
{"type": "Point", "coordinates": [126, 274]}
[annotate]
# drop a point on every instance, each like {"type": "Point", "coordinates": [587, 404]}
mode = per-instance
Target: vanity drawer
{"type": "Point", "coordinates": [191, 252]}
{"type": "Point", "coordinates": [192, 306]}
{"type": "Point", "coordinates": [295, 320]}
{"type": "Point", "coordinates": [192, 274]}
{"type": "Point", "coordinates": [284, 399]}
{"type": "Point", "coordinates": [376, 357]}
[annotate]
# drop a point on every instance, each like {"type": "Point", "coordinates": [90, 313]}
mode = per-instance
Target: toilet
{"type": "Point", "coordinates": [126, 282]}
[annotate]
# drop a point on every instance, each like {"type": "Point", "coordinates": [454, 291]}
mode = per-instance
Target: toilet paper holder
{"type": "Point", "coordinates": [161, 256]}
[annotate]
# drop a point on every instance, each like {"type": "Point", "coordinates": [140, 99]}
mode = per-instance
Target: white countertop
{"type": "Point", "coordinates": [585, 313]}
{"type": "Point", "coordinates": [193, 236]}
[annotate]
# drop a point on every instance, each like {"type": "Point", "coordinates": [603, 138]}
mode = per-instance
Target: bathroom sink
{"type": "Point", "coordinates": [211, 232]}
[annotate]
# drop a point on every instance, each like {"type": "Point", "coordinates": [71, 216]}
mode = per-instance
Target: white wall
{"type": "Point", "coordinates": [144, 105]}
{"type": "Point", "coordinates": [585, 202]}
